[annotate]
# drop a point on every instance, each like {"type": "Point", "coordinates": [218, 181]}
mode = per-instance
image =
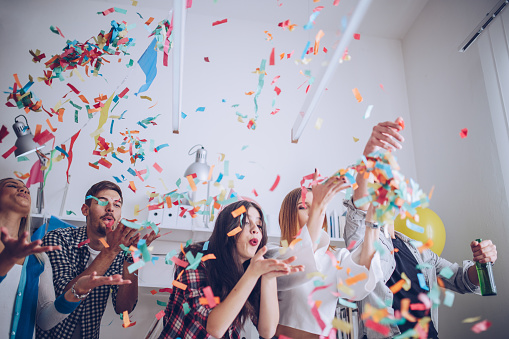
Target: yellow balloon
{"type": "Point", "coordinates": [433, 229]}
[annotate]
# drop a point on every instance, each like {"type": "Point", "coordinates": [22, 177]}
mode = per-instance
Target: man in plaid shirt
{"type": "Point", "coordinates": [93, 248]}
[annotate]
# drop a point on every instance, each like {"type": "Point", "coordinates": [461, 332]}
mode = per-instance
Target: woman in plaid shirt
{"type": "Point", "coordinates": [239, 276]}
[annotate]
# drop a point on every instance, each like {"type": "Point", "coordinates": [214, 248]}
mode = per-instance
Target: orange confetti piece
{"type": "Point", "coordinates": [132, 186]}
{"type": "Point", "coordinates": [204, 301]}
{"type": "Point", "coordinates": [191, 183]}
{"type": "Point", "coordinates": [234, 231]}
{"type": "Point", "coordinates": [431, 192]}
{"type": "Point", "coordinates": [210, 172]}
{"type": "Point", "coordinates": [153, 292]}
{"type": "Point", "coordinates": [358, 96]}
{"type": "Point", "coordinates": [397, 286]}
{"type": "Point", "coordinates": [125, 317]}
{"type": "Point", "coordinates": [239, 211]}
{"type": "Point", "coordinates": [294, 242]}
{"type": "Point", "coordinates": [82, 97]}
{"type": "Point", "coordinates": [93, 165]}
{"type": "Point", "coordinates": [249, 93]}
{"type": "Point", "coordinates": [50, 127]}
{"type": "Point", "coordinates": [356, 278]}
{"type": "Point", "coordinates": [105, 244]}
{"type": "Point", "coordinates": [17, 80]}
{"type": "Point", "coordinates": [208, 257]}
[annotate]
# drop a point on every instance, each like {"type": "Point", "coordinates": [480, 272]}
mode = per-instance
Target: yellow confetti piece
{"type": "Point", "coordinates": [355, 139]}
{"type": "Point", "coordinates": [342, 325]}
{"type": "Point", "coordinates": [136, 210]}
{"type": "Point", "coordinates": [471, 320]}
{"type": "Point", "coordinates": [318, 123]}
{"type": "Point", "coordinates": [408, 283]}
{"type": "Point", "coordinates": [315, 274]}
{"type": "Point", "coordinates": [284, 248]}
{"type": "Point", "coordinates": [146, 97]}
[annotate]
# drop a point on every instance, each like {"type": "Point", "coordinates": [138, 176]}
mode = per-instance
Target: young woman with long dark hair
{"type": "Point", "coordinates": [242, 279]}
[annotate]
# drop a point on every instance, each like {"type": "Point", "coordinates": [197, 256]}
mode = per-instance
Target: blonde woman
{"type": "Point", "coordinates": [26, 281]}
{"type": "Point", "coordinates": [328, 272]}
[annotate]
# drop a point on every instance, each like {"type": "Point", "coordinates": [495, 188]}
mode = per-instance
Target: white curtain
{"type": "Point", "coordinates": [493, 47]}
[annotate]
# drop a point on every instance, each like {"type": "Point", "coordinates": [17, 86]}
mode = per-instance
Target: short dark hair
{"type": "Point", "coordinates": [101, 186]}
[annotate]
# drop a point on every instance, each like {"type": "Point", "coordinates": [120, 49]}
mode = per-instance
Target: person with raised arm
{"type": "Point", "coordinates": [94, 247]}
{"type": "Point", "coordinates": [239, 276]}
{"type": "Point", "coordinates": [401, 259]}
{"type": "Point", "coordinates": [26, 278]}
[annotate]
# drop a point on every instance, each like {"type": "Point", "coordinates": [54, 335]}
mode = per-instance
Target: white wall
{"type": "Point", "coordinates": [235, 50]}
{"type": "Point", "coordinates": [446, 93]}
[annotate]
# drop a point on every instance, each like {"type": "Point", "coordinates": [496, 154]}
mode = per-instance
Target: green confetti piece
{"type": "Point", "coordinates": [70, 212]}
{"type": "Point", "coordinates": [186, 307]}
{"type": "Point", "coordinates": [120, 10]}
{"type": "Point", "coordinates": [347, 303]}
{"type": "Point", "coordinates": [379, 248]}
{"type": "Point", "coordinates": [76, 116]}
{"type": "Point", "coordinates": [23, 158]}
{"type": "Point", "coordinates": [446, 272]}
{"type": "Point", "coordinates": [99, 202]}
{"type": "Point", "coordinates": [423, 266]}
{"type": "Point", "coordinates": [189, 242]}
{"type": "Point", "coordinates": [161, 303]}
{"type": "Point", "coordinates": [449, 298]}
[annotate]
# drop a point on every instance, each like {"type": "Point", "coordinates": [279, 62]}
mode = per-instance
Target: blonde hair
{"type": "Point", "coordinates": [288, 216]}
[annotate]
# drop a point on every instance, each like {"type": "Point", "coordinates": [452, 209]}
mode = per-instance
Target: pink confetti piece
{"type": "Point", "coordinates": [464, 133]}
{"type": "Point", "coordinates": [157, 167]}
{"type": "Point", "coordinates": [277, 90]}
{"type": "Point", "coordinates": [352, 244]}
{"type": "Point", "coordinates": [160, 314]}
{"type": "Point", "coordinates": [210, 296]}
{"type": "Point", "coordinates": [275, 79]}
{"type": "Point", "coordinates": [9, 152]}
{"type": "Point", "coordinates": [215, 23]}
{"type": "Point", "coordinates": [272, 57]}
{"type": "Point", "coordinates": [481, 326]}
{"type": "Point", "coordinates": [357, 36]}
{"type": "Point", "coordinates": [83, 243]}
{"type": "Point", "coordinates": [275, 184]}
{"type": "Point", "coordinates": [206, 59]}
{"type": "Point", "coordinates": [3, 133]}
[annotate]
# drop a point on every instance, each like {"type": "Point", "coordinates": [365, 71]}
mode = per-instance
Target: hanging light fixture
{"type": "Point", "coordinates": [25, 143]}
{"type": "Point", "coordinates": [200, 168]}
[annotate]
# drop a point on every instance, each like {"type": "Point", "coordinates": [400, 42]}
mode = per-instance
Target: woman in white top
{"type": "Point", "coordinates": [307, 300]}
{"type": "Point", "coordinates": [26, 292]}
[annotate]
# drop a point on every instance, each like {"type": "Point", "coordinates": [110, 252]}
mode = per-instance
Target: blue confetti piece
{"type": "Point", "coordinates": [305, 50]}
{"type": "Point", "coordinates": [200, 109]}
{"type": "Point", "coordinates": [220, 177]}
{"type": "Point", "coordinates": [414, 227]}
{"type": "Point", "coordinates": [183, 115]}
{"type": "Point", "coordinates": [206, 246]}
{"type": "Point", "coordinates": [131, 171]}
{"type": "Point", "coordinates": [239, 176]}
{"type": "Point", "coordinates": [422, 281]}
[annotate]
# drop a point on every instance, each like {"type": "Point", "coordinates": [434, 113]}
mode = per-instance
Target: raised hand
{"type": "Point", "coordinates": [151, 237]}
{"type": "Point", "coordinates": [16, 249]}
{"type": "Point", "coordinates": [385, 135]}
{"type": "Point", "coordinates": [484, 251]}
{"type": "Point", "coordinates": [89, 282]}
{"type": "Point", "coordinates": [271, 267]}
{"type": "Point", "coordinates": [121, 234]}
{"type": "Point", "coordinates": [324, 193]}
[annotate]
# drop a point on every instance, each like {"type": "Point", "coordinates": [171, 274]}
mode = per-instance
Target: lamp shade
{"type": "Point", "coordinates": [199, 167]}
{"type": "Point", "coordinates": [25, 143]}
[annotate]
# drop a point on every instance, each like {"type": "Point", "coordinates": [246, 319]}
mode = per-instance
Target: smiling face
{"type": "Point", "coordinates": [249, 239]}
{"type": "Point", "coordinates": [99, 218]}
{"type": "Point", "coordinates": [15, 196]}
{"type": "Point", "coordinates": [303, 209]}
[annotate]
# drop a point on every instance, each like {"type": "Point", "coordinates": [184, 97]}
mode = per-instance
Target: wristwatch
{"type": "Point", "coordinates": [372, 225]}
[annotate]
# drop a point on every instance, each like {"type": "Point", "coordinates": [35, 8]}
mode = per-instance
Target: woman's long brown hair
{"type": "Point", "coordinates": [288, 216]}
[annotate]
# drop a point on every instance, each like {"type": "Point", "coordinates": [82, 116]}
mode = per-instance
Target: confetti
{"type": "Point", "coordinates": [233, 232]}
{"type": "Point", "coordinates": [463, 133]}
{"type": "Point", "coordinates": [481, 326]}
{"type": "Point", "coordinates": [215, 23]}
{"type": "Point", "coordinates": [274, 185]}
{"type": "Point", "coordinates": [239, 211]}
{"type": "Point", "coordinates": [357, 95]}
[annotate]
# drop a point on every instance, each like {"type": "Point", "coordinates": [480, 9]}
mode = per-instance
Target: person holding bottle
{"type": "Point", "coordinates": [401, 259]}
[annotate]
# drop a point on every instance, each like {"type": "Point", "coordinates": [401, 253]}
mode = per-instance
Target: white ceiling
{"type": "Point", "coordinates": [385, 18]}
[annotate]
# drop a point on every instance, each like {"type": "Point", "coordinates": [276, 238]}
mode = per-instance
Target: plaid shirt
{"type": "Point", "coordinates": [193, 324]}
{"type": "Point", "coordinates": [67, 264]}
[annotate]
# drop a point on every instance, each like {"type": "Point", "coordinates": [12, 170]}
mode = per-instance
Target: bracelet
{"type": "Point", "coordinates": [372, 225]}
{"type": "Point", "coordinates": [76, 295]}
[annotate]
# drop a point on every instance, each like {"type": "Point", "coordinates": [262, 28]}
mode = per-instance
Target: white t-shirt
{"type": "Point", "coordinates": [93, 255]}
{"type": "Point", "coordinates": [296, 291]}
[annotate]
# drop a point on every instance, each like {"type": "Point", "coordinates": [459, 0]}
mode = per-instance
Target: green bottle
{"type": "Point", "coordinates": [485, 274]}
